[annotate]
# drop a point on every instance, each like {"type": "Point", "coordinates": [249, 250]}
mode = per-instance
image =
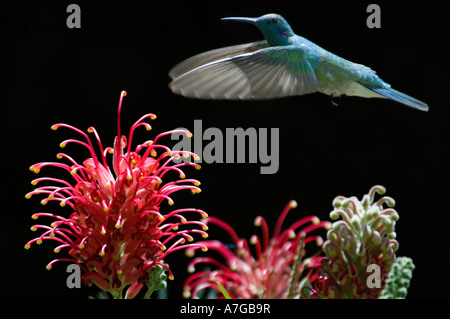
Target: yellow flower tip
{"type": "Point", "coordinates": [196, 191]}
{"type": "Point", "coordinates": [28, 196]}
{"type": "Point", "coordinates": [103, 232]}
{"type": "Point", "coordinates": [129, 178]}
{"type": "Point", "coordinates": [59, 156]}
{"type": "Point", "coordinates": [293, 204]}
{"type": "Point", "coordinates": [204, 249]}
{"type": "Point", "coordinates": [81, 246]}
{"type": "Point", "coordinates": [183, 176]}
{"type": "Point", "coordinates": [108, 185]}
{"type": "Point", "coordinates": [186, 294]}
{"type": "Point", "coordinates": [54, 127]}
{"type": "Point", "coordinates": [205, 228]}
{"type": "Point", "coordinates": [175, 228]}
{"type": "Point", "coordinates": [90, 130]}
{"type": "Point", "coordinates": [106, 209]}
{"type": "Point", "coordinates": [49, 267]}
{"type": "Point", "coordinates": [73, 172]}
{"type": "Point", "coordinates": [33, 228]}
{"type": "Point", "coordinates": [153, 153]}
{"type": "Point", "coordinates": [27, 246]}
{"type": "Point", "coordinates": [39, 241]}
{"type": "Point", "coordinates": [315, 220]}
{"type": "Point", "coordinates": [52, 235]}
{"type": "Point", "coordinates": [205, 235]}
{"type": "Point", "coordinates": [110, 151]}
{"type": "Point", "coordinates": [163, 248]}
{"type": "Point", "coordinates": [62, 145]}
{"type": "Point", "coordinates": [101, 254]}
{"type": "Point", "coordinates": [153, 117]}
{"type": "Point", "coordinates": [191, 269]}
{"type": "Point", "coordinates": [190, 240]}
{"type": "Point", "coordinates": [34, 182]}
{"type": "Point", "coordinates": [171, 202]}
{"type": "Point", "coordinates": [197, 183]}
{"type": "Point", "coordinates": [198, 167]}
{"type": "Point", "coordinates": [161, 218]}
{"type": "Point", "coordinates": [62, 204]}
{"type": "Point", "coordinates": [56, 250]}
{"type": "Point", "coordinates": [118, 226]}
{"type": "Point", "coordinates": [171, 277]}
{"type": "Point", "coordinates": [148, 127]}
{"type": "Point", "coordinates": [44, 201]}
{"type": "Point", "coordinates": [51, 196]}
{"type": "Point", "coordinates": [204, 214]}
{"type": "Point", "coordinates": [189, 134]}
{"type": "Point", "coordinates": [176, 156]}
{"type": "Point", "coordinates": [34, 216]}
{"type": "Point", "coordinates": [119, 272]}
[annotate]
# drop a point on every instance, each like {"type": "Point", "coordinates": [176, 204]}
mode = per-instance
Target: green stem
{"type": "Point", "coordinates": [296, 271]}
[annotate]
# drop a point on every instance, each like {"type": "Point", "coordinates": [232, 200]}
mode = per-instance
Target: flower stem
{"type": "Point", "coordinates": [296, 271]}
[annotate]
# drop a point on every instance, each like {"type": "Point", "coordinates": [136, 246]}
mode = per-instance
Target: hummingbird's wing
{"type": "Point", "coordinates": [263, 74]}
{"type": "Point", "coordinates": [214, 55]}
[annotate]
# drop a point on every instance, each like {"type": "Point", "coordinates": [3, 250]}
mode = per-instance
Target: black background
{"type": "Point", "coordinates": [53, 74]}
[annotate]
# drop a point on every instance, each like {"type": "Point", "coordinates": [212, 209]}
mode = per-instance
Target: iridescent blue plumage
{"type": "Point", "coordinates": [284, 64]}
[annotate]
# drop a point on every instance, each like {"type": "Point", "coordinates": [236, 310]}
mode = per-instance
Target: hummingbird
{"type": "Point", "coordinates": [284, 64]}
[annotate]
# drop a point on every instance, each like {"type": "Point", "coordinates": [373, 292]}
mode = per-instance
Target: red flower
{"type": "Point", "coordinates": [117, 232]}
{"type": "Point", "coordinates": [275, 271]}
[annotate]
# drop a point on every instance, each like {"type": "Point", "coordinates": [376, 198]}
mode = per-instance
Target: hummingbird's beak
{"type": "Point", "coordinates": [249, 20]}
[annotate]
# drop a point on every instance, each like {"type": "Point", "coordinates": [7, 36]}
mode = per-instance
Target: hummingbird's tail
{"type": "Point", "coordinates": [401, 98]}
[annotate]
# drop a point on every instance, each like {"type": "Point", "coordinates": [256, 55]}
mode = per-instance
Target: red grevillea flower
{"type": "Point", "coordinates": [116, 232]}
{"type": "Point", "coordinates": [274, 272]}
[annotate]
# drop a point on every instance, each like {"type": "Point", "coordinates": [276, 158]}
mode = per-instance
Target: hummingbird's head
{"type": "Point", "coordinates": [274, 27]}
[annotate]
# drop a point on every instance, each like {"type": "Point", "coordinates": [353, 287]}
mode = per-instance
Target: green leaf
{"type": "Point", "coordinates": [224, 292]}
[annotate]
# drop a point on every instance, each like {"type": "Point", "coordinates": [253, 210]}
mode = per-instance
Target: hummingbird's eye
{"type": "Point", "coordinates": [272, 21]}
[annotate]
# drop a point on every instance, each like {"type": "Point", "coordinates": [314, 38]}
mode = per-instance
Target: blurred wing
{"type": "Point", "coordinates": [214, 55]}
{"type": "Point", "coordinates": [267, 73]}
